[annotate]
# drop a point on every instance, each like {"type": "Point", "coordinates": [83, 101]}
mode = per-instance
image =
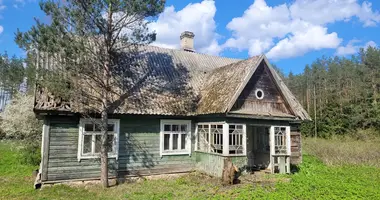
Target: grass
{"type": "Point", "coordinates": [345, 150]}
{"type": "Point", "coordinates": [315, 180]}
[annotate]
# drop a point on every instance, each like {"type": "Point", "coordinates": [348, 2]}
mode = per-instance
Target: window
{"type": "Point", "coordinates": [259, 93]}
{"type": "Point", "coordinates": [203, 137]}
{"type": "Point", "coordinates": [280, 141]}
{"type": "Point", "coordinates": [90, 135]}
{"type": "Point", "coordinates": [217, 138]}
{"type": "Point", "coordinates": [175, 137]}
{"type": "Point", "coordinates": [211, 138]}
{"type": "Point", "coordinates": [235, 139]}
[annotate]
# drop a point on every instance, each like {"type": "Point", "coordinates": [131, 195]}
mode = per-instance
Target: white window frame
{"type": "Point", "coordinates": [287, 137]}
{"type": "Point", "coordinates": [244, 138]}
{"type": "Point", "coordinates": [209, 136]}
{"type": "Point", "coordinates": [180, 151]}
{"type": "Point", "coordinates": [82, 122]}
{"type": "Point", "coordinates": [262, 93]}
{"type": "Point", "coordinates": [226, 141]}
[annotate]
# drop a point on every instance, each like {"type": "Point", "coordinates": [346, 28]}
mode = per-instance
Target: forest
{"type": "Point", "coordinates": [340, 94]}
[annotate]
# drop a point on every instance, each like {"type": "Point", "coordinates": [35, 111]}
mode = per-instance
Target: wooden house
{"type": "Point", "coordinates": [203, 109]}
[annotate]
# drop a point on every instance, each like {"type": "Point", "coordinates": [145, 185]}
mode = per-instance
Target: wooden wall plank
{"type": "Point", "coordinates": [272, 102]}
{"type": "Point", "coordinates": [45, 149]}
{"type": "Point", "coordinates": [139, 151]}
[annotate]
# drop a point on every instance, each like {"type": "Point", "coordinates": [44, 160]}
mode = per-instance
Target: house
{"type": "Point", "coordinates": [202, 109]}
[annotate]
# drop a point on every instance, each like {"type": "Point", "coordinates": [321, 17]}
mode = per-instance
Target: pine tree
{"type": "Point", "coordinates": [89, 50]}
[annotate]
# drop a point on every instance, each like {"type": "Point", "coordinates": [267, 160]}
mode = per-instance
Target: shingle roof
{"type": "Point", "coordinates": [222, 84]}
{"type": "Point", "coordinates": [178, 82]}
{"type": "Point", "coordinates": [175, 80]}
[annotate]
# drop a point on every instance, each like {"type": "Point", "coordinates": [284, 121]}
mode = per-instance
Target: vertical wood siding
{"type": "Point", "coordinates": [213, 164]}
{"type": "Point", "coordinates": [272, 101]}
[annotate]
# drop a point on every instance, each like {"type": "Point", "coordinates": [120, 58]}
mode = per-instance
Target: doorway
{"type": "Point", "coordinates": [268, 148]}
{"type": "Point", "coordinates": [258, 147]}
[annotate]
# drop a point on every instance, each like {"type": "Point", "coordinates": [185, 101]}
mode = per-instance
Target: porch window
{"type": "Point", "coordinates": [210, 138]}
{"type": "Point", "coordinates": [280, 141]}
{"type": "Point", "coordinates": [221, 138]}
{"type": "Point", "coordinates": [235, 139]}
{"type": "Point", "coordinates": [89, 142]}
{"type": "Point", "coordinates": [203, 137]}
{"type": "Point", "coordinates": [175, 137]}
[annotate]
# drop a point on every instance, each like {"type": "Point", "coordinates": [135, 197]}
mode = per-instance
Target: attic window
{"type": "Point", "coordinates": [259, 94]}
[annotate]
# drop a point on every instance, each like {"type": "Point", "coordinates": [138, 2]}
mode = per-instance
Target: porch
{"type": "Point", "coordinates": [249, 147]}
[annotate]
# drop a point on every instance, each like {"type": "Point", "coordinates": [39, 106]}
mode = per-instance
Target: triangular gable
{"type": "Point", "coordinates": [291, 102]}
{"type": "Point", "coordinates": [261, 96]}
{"type": "Point", "coordinates": [222, 83]}
{"type": "Point", "coordinates": [294, 104]}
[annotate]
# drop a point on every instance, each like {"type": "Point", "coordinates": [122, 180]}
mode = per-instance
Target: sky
{"type": "Point", "coordinates": [290, 33]}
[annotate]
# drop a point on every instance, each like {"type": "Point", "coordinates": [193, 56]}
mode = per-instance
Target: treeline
{"type": "Point", "coordinates": [341, 93]}
{"type": "Point", "coordinates": [16, 74]}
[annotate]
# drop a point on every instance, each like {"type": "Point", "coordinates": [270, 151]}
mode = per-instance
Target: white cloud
{"type": "Point", "coordinates": [353, 47]}
{"type": "Point", "coordinates": [2, 7]}
{"type": "Point", "coordinates": [328, 11]}
{"type": "Point", "coordinates": [300, 42]}
{"type": "Point", "coordinates": [349, 49]}
{"type": "Point", "coordinates": [290, 30]}
{"type": "Point", "coordinates": [370, 43]}
{"type": "Point", "coordinates": [197, 18]}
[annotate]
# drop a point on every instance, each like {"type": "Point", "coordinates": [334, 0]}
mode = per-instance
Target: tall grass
{"type": "Point", "coordinates": [361, 148]}
{"type": "Point", "coordinates": [315, 180]}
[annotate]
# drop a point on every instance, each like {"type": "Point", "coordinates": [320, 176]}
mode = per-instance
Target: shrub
{"type": "Point", "coordinates": [19, 122]}
{"type": "Point", "coordinates": [2, 133]}
{"type": "Point", "coordinates": [30, 153]}
{"type": "Point", "coordinates": [18, 119]}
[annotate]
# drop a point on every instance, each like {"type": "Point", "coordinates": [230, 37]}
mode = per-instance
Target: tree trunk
{"type": "Point", "coordinates": [105, 103]}
{"type": "Point", "coordinates": [104, 150]}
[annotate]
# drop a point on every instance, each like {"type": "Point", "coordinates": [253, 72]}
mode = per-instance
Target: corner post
{"type": "Point", "coordinates": [45, 149]}
{"type": "Point", "coordinates": [225, 140]}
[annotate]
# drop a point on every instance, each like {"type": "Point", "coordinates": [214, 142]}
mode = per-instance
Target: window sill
{"type": "Point", "coordinates": [175, 153]}
{"type": "Point", "coordinates": [218, 154]}
{"type": "Point", "coordinates": [84, 157]}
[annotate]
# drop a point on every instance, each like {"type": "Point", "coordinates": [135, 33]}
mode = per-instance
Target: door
{"type": "Point", "coordinates": [280, 149]}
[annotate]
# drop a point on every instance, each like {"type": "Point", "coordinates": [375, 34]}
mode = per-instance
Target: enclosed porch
{"type": "Point", "coordinates": [249, 147]}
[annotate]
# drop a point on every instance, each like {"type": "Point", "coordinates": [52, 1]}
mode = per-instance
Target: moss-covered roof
{"type": "Point", "coordinates": [223, 83]}
{"type": "Point", "coordinates": [178, 82]}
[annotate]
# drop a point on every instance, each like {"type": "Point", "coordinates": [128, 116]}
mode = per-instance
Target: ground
{"type": "Point", "coordinates": [314, 180]}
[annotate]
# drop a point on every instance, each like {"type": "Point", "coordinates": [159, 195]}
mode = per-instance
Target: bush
{"type": "Point", "coordinates": [2, 133]}
{"type": "Point", "coordinates": [30, 153]}
{"type": "Point", "coordinates": [20, 123]}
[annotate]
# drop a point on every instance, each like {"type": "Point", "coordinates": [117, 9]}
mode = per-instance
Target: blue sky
{"type": "Point", "coordinates": [291, 33]}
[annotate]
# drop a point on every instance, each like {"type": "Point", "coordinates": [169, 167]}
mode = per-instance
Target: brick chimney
{"type": "Point", "coordinates": [187, 41]}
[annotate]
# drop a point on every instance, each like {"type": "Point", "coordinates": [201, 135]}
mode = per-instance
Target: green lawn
{"type": "Point", "coordinates": [314, 181]}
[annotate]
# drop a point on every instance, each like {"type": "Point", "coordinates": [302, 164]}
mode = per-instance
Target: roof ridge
{"type": "Point", "coordinates": [189, 52]}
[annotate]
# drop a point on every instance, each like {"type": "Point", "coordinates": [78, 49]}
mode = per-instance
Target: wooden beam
{"type": "Point", "coordinates": [45, 149]}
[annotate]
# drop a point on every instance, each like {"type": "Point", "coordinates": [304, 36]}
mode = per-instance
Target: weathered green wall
{"type": "Point", "coordinates": [139, 151]}
{"type": "Point", "coordinates": [63, 149]}
{"type": "Point", "coordinates": [213, 163]}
